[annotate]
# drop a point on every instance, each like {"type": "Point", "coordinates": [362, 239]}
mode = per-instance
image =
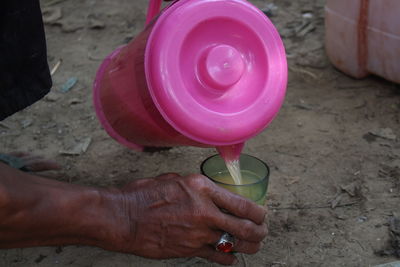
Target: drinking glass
{"type": "Point", "coordinates": [255, 176]}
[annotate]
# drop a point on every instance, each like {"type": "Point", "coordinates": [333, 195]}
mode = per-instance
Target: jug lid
{"type": "Point", "coordinates": [216, 69]}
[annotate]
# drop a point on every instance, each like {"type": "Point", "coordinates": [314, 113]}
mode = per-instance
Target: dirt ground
{"type": "Point", "coordinates": [333, 144]}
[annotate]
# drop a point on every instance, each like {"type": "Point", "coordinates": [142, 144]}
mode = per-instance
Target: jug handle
{"type": "Point", "coordinates": [153, 10]}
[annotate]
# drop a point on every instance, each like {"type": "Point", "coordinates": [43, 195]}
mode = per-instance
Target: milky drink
{"type": "Point", "coordinates": [249, 187]}
{"type": "Point", "coordinates": [243, 181]}
{"type": "Point", "coordinates": [231, 155]}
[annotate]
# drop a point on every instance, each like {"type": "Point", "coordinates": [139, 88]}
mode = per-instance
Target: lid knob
{"type": "Point", "coordinates": [223, 66]}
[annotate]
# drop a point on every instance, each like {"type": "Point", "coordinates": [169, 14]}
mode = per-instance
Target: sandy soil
{"type": "Point", "coordinates": [320, 148]}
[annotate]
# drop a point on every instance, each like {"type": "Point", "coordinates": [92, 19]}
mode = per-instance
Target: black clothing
{"type": "Point", "coordinates": [24, 72]}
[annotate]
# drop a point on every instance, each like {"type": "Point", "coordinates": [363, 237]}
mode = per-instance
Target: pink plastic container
{"type": "Point", "coordinates": [363, 37]}
{"type": "Point", "coordinates": [202, 73]}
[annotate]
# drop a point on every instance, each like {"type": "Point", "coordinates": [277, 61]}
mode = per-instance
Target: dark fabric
{"type": "Point", "coordinates": [24, 71]}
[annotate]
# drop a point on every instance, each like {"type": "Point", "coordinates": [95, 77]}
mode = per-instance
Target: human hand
{"type": "Point", "coordinates": [171, 216]}
{"type": "Point", "coordinates": [30, 162]}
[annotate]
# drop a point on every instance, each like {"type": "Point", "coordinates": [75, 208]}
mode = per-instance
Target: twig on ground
{"type": "Point", "coordinates": [303, 71]}
{"type": "Point", "coordinates": [314, 207]}
{"type": "Point", "coordinates": [55, 68]}
{"type": "Point", "coordinates": [52, 2]}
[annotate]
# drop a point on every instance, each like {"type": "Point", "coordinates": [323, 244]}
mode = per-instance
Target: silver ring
{"type": "Point", "coordinates": [225, 243]}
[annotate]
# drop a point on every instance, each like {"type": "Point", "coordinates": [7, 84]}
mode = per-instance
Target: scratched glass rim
{"type": "Point", "coordinates": [265, 178]}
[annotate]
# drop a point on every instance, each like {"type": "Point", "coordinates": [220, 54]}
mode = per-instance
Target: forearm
{"type": "Point", "coordinates": [35, 211]}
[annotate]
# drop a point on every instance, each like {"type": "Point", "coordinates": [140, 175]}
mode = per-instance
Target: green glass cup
{"type": "Point", "coordinates": [255, 176]}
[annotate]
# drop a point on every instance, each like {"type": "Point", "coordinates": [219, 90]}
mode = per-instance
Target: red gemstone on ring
{"type": "Point", "coordinates": [225, 247]}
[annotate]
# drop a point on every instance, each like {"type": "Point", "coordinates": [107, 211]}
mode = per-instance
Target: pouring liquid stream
{"type": "Point", "coordinates": [234, 170]}
{"type": "Point", "coordinates": [231, 155]}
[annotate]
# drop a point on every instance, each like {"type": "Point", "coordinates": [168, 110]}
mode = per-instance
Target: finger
{"type": "Point", "coordinates": [32, 158]}
{"type": "Point", "coordinates": [247, 247]}
{"type": "Point", "coordinates": [238, 205]}
{"type": "Point", "coordinates": [38, 165]}
{"type": "Point", "coordinates": [19, 154]}
{"type": "Point", "coordinates": [211, 254]}
{"type": "Point", "coordinates": [35, 163]}
{"type": "Point", "coordinates": [241, 228]}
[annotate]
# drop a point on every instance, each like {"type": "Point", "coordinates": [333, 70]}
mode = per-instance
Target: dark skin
{"type": "Point", "coordinates": [168, 216]}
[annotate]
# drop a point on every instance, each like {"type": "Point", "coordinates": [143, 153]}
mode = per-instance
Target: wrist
{"type": "Point", "coordinates": [91, 216]}
{"type": "Point", "coordinates": [112, 227]}
{"type": "Point", "coordinates": [66, 214]}
{"type": "Point", "coordinates": [81, 221]}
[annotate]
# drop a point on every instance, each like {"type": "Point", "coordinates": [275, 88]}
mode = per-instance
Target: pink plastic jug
{"type": "Point", "coordinates": [202, 73]}
{"type": "Point", "coordinates": [363, 37]}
